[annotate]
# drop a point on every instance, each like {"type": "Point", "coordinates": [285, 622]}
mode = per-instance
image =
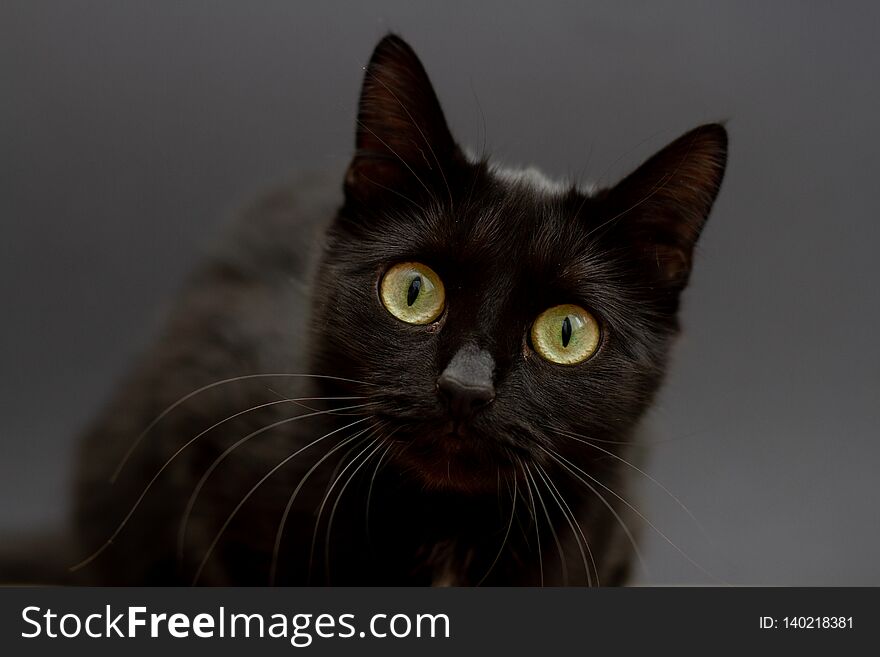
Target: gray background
{"type": "Point", "coordinates": [131, 131]}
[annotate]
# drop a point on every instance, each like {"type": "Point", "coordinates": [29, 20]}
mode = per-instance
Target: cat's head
{"type": "Point", "coordinates": [495, 315]}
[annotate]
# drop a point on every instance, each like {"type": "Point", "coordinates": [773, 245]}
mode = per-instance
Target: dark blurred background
{"type": "Point", "coordinates": [132, 131]}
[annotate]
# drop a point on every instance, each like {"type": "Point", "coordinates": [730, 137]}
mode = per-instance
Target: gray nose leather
{"type": "Point", "coordinates": [467, 383]}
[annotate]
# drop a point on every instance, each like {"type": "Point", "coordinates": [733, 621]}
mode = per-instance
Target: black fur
{"type": "Point", "coordinates": [440, 488]}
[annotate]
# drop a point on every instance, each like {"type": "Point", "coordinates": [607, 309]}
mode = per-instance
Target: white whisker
{"type": "Point", "coordinates": [649, 477]}
{"type": "Point", "coordinates": [152, 481]}
{"type": "Point", "coordinates": [324, 503]}
{"type": "Point", "coordinates": [229, 450]}
{"type": "Point", "coordinates": [649, 523]}
{"type": "Point", "coordinates": [506, 533]}
{"type": "Point", "coordinates": [209, 386]}
{"type": "Point", "coordinates": [572, 522]}
{"type": "Point", "coordinates": [254, 488]}
{"type": "Point", "coordinates": [562, 560]}
{"type": "Point", "coordinates": [276, 550]}
{"type": "Point", "coordinates": [372, 483]}
{"type": "Point", "coordinates": [378, 445]}
{"type": "Point", "coordinates": [608, 505]}
{"type": "Point", "coordinates": [535, 517]}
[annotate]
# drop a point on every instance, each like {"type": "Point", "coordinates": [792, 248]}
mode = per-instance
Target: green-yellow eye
{"type": "Point", "coordinates": [565, 334]}
{"type": "Point", "coordinates": [413, 293]}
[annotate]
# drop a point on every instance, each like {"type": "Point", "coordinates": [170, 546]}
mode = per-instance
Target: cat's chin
{"type": "Point", "coordinates": [454, 463]}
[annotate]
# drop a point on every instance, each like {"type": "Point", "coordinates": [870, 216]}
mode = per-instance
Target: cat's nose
{"type": "Point", "coordinates": [467, 382]}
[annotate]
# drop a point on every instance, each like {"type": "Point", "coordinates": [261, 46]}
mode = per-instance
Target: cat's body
{"type": "Point", "coordinates": [214, 332]}
{"type": "Point", "coordinates": [454, 447]}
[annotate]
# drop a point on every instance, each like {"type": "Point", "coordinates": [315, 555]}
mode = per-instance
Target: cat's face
{"type": "Point", "coordinates": [493, 316]}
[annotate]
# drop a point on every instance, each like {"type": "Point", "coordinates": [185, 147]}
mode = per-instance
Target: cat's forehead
{"type": "Point", "coordinates": [502, 222]}
{"type": "Point", "coordinates": [524, 220]}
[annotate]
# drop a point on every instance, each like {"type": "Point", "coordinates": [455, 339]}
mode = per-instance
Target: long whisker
{"type": "Point", "coordinates": [506, 534]}
{"type": "Point", "coordinates": [572, 522]}
{"type": "Point", "coordinates": [309, 407]}
{"type": "Point", "coordinates": [650, 524]}
{"type": "Point", "coordinates": [181, 539]}
{"type": "Point", "coordinates": [372, 483]}
{"type": "Point", "coordinates": [324, 503]}
{"type": "Point", "coordinates": [608, 505]}
{"type": "Point", "coordinates": [535, 516]}
{"type": "Point", "coordinates": [343, 460]}
{"type": "Point", "coordinates": [649, 477]}
{"type": "Point", "coordinates": [152, 481]}
{"type": "Point", "coordinates": [630, 443]}
{"type": "Point", "coordinates": [276, 550]}
{"type": "Point", "coordinates": [254, 488]}
{"type": "Point", "coordinates": [378, 445]}
{"type": "Point", "coordinates": [209, 386]}
{"type": "Point", "coordinates": [558, 429]}
{"type": "Point", "coordinates": [563, 562]}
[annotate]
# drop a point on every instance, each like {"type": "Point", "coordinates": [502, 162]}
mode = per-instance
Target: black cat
{"type": "Point", "coordinates": [445, 394]}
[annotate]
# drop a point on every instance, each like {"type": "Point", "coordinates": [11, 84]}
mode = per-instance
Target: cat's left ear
{"type": "Point", "coordinates": [662, 206]}
{"type": "Point", "coordinates": [402, 141]}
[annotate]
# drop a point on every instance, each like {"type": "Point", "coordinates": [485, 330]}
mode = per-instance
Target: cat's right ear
{"type": "Point", "coordinates": [402, 143]}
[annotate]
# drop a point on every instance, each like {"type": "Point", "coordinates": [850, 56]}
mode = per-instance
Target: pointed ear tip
{"type": "Point", "coordinates": [390, 44]}
{"type": "Point", "coordinates": [715, 133]}
{"type": "Point", "coordinates": [392, 38]}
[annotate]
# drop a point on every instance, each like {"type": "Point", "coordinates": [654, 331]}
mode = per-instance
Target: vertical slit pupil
{"type": "Point", "coordinates": [566, 331]}
{"type": "Point", "coordinates": [413, 293]}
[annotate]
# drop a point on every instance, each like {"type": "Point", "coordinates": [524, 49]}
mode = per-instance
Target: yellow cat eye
{"type": "Point", "coordinates": [565, 334]}
{"type": "Point", "coordinates": [413, 293]}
